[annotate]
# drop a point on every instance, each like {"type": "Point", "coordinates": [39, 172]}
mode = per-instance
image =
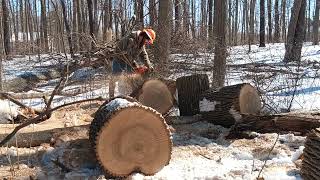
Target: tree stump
{"type": "Point", "coordinates": [311, 156]}
{"type": "Point", "coordinates": [156, 94]}
{"type": "Point", "coordinates": [225, 106]}
{"type": "Point", "coordinates": [189, 90]}
{"type": "Point", "coordinates": [129, 137]}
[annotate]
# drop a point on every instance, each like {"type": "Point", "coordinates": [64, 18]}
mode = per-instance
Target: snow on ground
{"type": "Point", "coordinates": [196, 156]}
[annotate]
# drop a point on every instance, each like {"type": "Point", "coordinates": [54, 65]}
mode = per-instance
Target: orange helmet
{"type": "Point", "coordinates": [151, 34]}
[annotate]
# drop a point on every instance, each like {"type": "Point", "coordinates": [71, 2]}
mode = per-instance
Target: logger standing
{"type": "Point", "coordinates": [131, 48]}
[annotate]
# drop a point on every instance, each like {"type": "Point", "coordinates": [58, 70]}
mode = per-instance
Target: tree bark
{"type": "Point", "coordinates": [235, 35]}
{"type": "Point", "coordinates": [316, 24]}
{"type": "Point", "coordinates": [91, 22]}
{"type": "Point", "coordinates": [186, 20]}
{"type": "Point", "coordinates": [276, 22]}
{"type": "Point", "coordinates": [296, 32]}
{"type": "Point", "coordinates": [189, 90]}
{"type": "Point", "coordinates": [262, 24]}
{"type": "Point", "coordinates": [210, 25]}
{"type": "Point", "coordinates": [6, 30]}
{"type": "Point", "coordinates": [283, 20]}
{"type": "Point", "coordinates": [67, 26]}
{"type": "Point", "coordinates": [281, 123]}
{"type": "Point", "coordinates": [164, 31]}
{"type": "Point", "coordinates": [220, 51]}
{"type": "Point", "coordinates": [225, 106]}
{"type": "Point", "coordinates": [152, 12]}
{"type": "Point", "coordinates": [269, 21]}
{"type": "Point", "coordinates": [251, 23]}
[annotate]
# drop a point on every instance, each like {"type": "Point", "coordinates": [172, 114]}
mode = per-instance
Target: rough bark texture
{"type": "Point", "coordinates": [269, 21]}
{"type": "Point", "coordinates": [311, 156]}
{"type": "Point", "coordinates": [189, 90]}
{"type": "Point", "coordinates": [275, 123]}
{"type": "Point", "coordinates": [283, 19]}
{"type": "Point", "coordinates": [44, 27]}
{"type": "Point", "coordinates": [220, 50]}
{"type": "Point", "coordinates": [225, 106]}
{"type": "Point", "coordinates": [296, 32]}
{"type": "Point", "coordinates": [67, 26]}
{"type": "Point", "coordinates": [6, 30]}
{"type": "Point", "coordinates": [210, 25]}
{"type": "Point", "coordinates": [152, 12]}
{"type": "Point", "coordinates": [251, 23]}
{"type": "Point", "coordinates": [276, 22]}
{"type": "Point", "coordinates": [91, 21]}
{"type": "Point", "coordinates": [162, 43]}
{"type": "Point", "coordinates": [262, 24]}
{"type": "Point", "coordinates": [123, 131]}
{"type": "Point", "coordinates": [316, 24]}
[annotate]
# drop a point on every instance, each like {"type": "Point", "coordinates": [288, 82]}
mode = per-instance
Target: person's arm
{"type": "Point", "coordinates": [144, 56]}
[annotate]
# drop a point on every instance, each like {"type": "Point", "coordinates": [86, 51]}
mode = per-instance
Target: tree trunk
{"type": "Point", "coordinates": [281, 123]}
{"type": "Point", "coordinates": [316, 24]}
{"type": "Point", "coordinates": [152, 12]}
{"type": "Point", "coordinates": [276, 22]}
{"type": "Point", "coordinates": [120, 121]}
{"type": "Point", "coordinates": [193, 19]}
{"type": "Point", "coordinates": [269, 21]}
{"type": "Point", "coordinates": [189, 90]}
{"type": "Point", "coordinates": [296, 31]}
{"type": "Point", "coordinates": [186, 20]}
{"type": "Point", "coordinates": [220, 50]}
{"type": "Point", "coordinates": [235, 35]}
{"type": "Point", "coordinates": [283, 20]}
{"type": "Point", "coordinates": [245, 19]}
{"type": "Point", "coordinates": [311, 159]}
{"type": "Point", "coordinates": [91, 22]}
{"type": "Point", "coordinates": [251, 23]}
{"type": "Point", "coordinates": [66, 24]}
{"type": "Point", "coordinates": [262, 24]}
{"type": "Point", "coordinates": [210, 26]}
{"type": "Point", "coordinates": [140, 5]}
{"type": "Point", "coordinates": [230, 37]}
{"type": "Point", "coordinates": [6, 30]}
{"type": "Point", "coordinates": [164, 31]}
{"type": "Point", "coordinates": [225, 106]}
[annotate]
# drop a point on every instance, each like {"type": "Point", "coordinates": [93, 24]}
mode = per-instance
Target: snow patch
{"type": "Point", "coordinates": [8, 112]}
{"type": "Point", "coordinates": [206, 105]}
{"type": "Point", "coordinates": [296, 155]}
{"type": "Point", "coordinates": [235, 114]}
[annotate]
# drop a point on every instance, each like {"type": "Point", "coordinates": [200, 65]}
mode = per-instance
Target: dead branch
{"type": "Point", "coordinates": [15, 101]}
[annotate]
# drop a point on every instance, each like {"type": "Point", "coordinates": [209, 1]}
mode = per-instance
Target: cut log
{"type": "Point", "coordinates": [154, 93]}
{"type": "Point", "coordinates": [129, 137]}
{"type": "Point", "coordinates": [283, 123]}
{"type": "Point", "coordinates": [311, 156]}
{"type": "Point", "coordinates": [189, 90]}
{"type": "Point", "coordinates": [225, 106]}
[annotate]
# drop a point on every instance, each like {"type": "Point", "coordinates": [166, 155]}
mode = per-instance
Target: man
{"type": "Point", "coordinates": [131, 48]}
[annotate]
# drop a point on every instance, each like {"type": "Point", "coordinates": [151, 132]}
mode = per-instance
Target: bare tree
{"type": "Point", "coordinates": [262, 24]}
{"type": "Point", "coordinates": [67, 26]}
{"type": "Point", "coordinates": [276, 22]}
{"type": "Point", "coordinates": [251, 23]}
{"type": "Point", "coordinates": [164, 31]}
{"type": "Point", "coordinates": [6, 30]}
{"type": "Point", "coordinates": [316, 24]}
{"type": "Point", "coordinates": [44, 26]}
{"type": "Point", "coordinates": [296, 31]}
{"type": "Point", "coordinates": [269, 21]}
{"type": "Point", "coordinates": [210, 27]}
{"type": "Point", "coordinates": [245, 19]}
{"type": "Point", "coordinates": [91, 21]}
{"type": "Point", "coordinates": [152, 12]}
{"type": "Point", "coordinates": [283, 19]}
{"type": "Point", "coordinates": [220, 50]}
{"type": "Point", "coordinates": [186, 20]}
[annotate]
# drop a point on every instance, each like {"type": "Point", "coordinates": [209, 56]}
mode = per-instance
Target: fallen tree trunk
{"type": "Point", "coordinates": [275, 124]}
{"type": "Point", "coordinates": [189, 90]}
{"type": "Point", "coordinates": [225, 106]}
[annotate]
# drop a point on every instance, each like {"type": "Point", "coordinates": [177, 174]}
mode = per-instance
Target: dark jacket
{"type": "Point", "coordinates": [131, 50]}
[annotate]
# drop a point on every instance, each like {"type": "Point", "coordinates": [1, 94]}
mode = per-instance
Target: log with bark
{"type": "Point", "coordinates": [129, 137]}
{"type": "Point", "coordinates": [281, 123]}
{"type": "Point", "coordinates": [225, 106]}
{"type": "Point", "coordinates": [189, 90]}
{"type": "Point", "coordinates": [311, 156]}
